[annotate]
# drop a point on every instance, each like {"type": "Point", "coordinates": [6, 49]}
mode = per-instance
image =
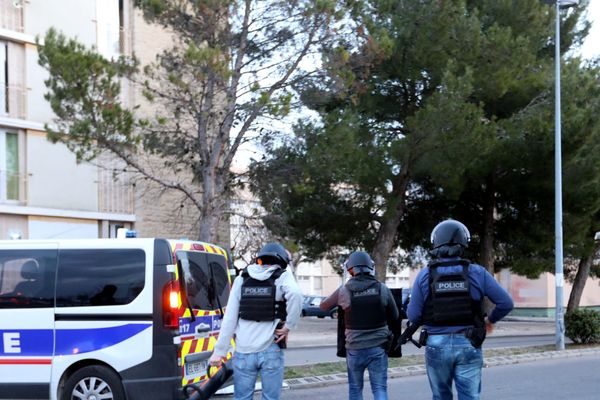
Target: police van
{"type": "Point", "coordinates": [108, 318]}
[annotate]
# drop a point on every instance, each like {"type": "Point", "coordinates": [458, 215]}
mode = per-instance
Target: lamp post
{"type": "Point", "coordinates": [558, 231]}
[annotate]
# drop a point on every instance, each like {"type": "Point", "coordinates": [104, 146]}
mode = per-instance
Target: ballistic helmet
{"type": "Point", "coordinates": [360, 262]}
{"type": "Point", "coordinates": [273, 254]}
{"type": "Point", "coordinates": [450, 238]}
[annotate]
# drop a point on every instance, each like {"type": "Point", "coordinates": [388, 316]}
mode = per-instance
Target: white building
{"type": "Point", "coordinates": [44, 193]}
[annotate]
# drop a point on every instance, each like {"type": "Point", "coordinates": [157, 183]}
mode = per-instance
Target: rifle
{"type": "Point", "coordinates": [407, 335]}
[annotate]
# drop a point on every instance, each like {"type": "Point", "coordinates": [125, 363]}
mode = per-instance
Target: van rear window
{"type": "Point", "coordinates": [96, 277]}
{"type": "Point", "coordinates": [27, 278]}
{"type": "Point", "coordinates": [205, 278]}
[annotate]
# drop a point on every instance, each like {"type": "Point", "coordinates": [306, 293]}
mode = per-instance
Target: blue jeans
{"type": "Point", "coordinates": [245, 371]}
{"type": "Point", "coordinates": [452, 358]}
{"type": "Point", "coordinates": [376, 361]}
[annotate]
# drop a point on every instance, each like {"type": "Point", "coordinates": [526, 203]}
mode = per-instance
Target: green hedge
{"type": "Point", "coordinates": [583, 326]}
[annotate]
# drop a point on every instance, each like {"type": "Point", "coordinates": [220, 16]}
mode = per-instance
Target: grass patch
{"type": "Point", "coordinates": [405, 361]}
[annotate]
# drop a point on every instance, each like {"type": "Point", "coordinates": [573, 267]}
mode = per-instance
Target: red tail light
{"type": "Point", "coordinates": [171, 301]}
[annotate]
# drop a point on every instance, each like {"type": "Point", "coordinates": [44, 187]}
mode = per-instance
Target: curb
{"type": "Point", "coordinates": [399, 372]}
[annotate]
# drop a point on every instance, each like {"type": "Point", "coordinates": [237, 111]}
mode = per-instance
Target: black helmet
{"type": "Point", "coordinates": [360, 262]}
{"type": "Point", "coordinates": [273, 254]}
{"type": "Point", "coordinates": [450, 235]}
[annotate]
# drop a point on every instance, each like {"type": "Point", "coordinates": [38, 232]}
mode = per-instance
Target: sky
{"type": "Point", "coordinates": [590, 49]}
{"type": "Point", "coordinates": [591, 46]}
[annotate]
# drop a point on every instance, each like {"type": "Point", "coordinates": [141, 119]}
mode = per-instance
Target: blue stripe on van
{"type": "Point", "coordinates": [77, 341]}
{"type": "Point", "coordinates": [38, 342]}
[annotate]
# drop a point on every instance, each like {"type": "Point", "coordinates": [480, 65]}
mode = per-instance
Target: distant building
{"type": "Point", "coordinates": [320, 279]}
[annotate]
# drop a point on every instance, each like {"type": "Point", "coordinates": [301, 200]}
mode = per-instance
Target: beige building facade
{"type": "Point", "coordinates": [44, 192]}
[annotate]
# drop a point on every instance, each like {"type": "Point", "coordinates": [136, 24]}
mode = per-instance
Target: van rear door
{"type": "Point", "coordinates": [205, 292]}
{"type": "Point", "coordinates": [27, 285]}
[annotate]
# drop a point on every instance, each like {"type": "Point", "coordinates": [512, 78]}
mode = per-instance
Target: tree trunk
{"type": "Point", "coordinates": [487, 236]}
{"type": "Point", "coordinates": [487, 230]}
{"type": "Point", "coordinates": [386, 235]}
{"type": "Point", "coordinates": [583, 272]}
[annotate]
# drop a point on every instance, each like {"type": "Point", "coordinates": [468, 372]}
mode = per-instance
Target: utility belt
{"type": "Point", "coordinates": [476, 335]}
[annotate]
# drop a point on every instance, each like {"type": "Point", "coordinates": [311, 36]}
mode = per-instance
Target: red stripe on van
{"type": "Point", "coordinates": [26, 361]}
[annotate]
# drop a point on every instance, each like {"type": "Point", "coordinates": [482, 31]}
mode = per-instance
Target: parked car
{"type": "Point", "coordinates": [310, 308]}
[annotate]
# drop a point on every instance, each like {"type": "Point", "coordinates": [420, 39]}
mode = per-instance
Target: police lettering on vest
{"type": "Point", "coordinates": [257, 302]}
{"type": "Point", "coordinates": [449, 302]}
{"type": "Point", "coordinates": [367, 310]}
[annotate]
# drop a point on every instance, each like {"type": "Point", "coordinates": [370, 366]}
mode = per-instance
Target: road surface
{"type": "Point", "coordinates": [556, 379]}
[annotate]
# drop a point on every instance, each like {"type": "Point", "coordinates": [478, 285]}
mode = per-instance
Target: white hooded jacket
{"type": "Point", "coordinates": [253, 336]}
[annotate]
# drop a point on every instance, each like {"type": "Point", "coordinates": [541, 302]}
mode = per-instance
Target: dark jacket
{"type": "Point", "coordinates": [362, 339]}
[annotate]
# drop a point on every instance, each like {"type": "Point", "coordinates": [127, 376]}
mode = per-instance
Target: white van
{"type": "Point", "coordinates": [108, 318]}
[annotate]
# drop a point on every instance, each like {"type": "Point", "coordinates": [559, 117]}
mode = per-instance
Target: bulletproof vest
{"type": "Point", "coordinates": [366, 306]}
{"type": "Point", "coordinates": [257, 302]}
{"type": "Point", "coordinates": [449, 302]}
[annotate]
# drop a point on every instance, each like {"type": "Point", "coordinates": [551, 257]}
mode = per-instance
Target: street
{"type": "Point", "coordinates": [575, 378]}
{"type": "Point", "coordinates": [321, 354]}
{"type": "Point", "coordinates": [313, 341]}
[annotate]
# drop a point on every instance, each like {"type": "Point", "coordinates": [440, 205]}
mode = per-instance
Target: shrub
{"type": "Point", "coordinates": [583, 326]}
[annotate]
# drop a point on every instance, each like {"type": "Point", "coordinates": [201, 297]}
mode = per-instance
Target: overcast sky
{"type": "Point", "coordinates": [591, 47]}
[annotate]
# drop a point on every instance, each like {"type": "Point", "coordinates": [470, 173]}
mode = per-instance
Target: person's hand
{"type": "Point", "coordinates": [489, 327]}
{"type": "Point", "coordinates": [281, 334]}
{"type": "Point", "coordinates": [215, 360]}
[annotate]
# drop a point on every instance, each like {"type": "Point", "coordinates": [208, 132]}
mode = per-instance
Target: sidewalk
{"type": "Point", "coordinates": [312, 332]}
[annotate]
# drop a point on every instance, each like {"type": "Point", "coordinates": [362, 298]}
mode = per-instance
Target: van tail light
{"type": "Point", "coordinates": [171, 301]}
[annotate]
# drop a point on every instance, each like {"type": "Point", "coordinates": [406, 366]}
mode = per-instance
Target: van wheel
{"type": "Point", "coordinates": [93, 383]}
{"type": "Point", "coordinates": [334, 314]}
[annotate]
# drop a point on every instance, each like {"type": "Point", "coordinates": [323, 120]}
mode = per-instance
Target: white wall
{"type": "Point", "coordinates": [38, 109]}
{"type": "Point", "coordinates": [55, 180]}
{"type": "Point", "coordinates": [107, 27]}
{"type": "Point", "coordinates": [47, 228]}
{"type": "Point", "coordinates": [75, 18]}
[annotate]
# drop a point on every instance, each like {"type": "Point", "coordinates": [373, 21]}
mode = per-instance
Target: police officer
{"type": "Point", "coordinates": [264, 304]}
{"type": "Point", "coordinates": [447, 298]}
{"type": "Point", "coordinates": [368, 305]}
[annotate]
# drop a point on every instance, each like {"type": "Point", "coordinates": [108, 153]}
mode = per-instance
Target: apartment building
{"type": "Point", "coordinates": [44, 192]}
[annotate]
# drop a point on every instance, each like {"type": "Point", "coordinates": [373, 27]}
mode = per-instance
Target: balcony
{"type": "Point", "coordinates": [13, 187]}
{"type": "Point", "coordinates": [11, 16]}
{"type": "Point", "coordinates": [115, 193]}
{"type": "Point", "coordinates": [13, 101]}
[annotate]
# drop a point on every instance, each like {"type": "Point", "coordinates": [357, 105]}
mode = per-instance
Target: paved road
{"type": "Point", "coordinates": [572, 378]}
{"type": "Point", "coordinates": [320, 354]}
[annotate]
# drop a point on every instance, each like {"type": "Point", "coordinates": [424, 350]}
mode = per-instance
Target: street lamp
{"type": "Point", "coordinates": [558, 232]}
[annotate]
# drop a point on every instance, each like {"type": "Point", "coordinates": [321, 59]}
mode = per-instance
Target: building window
{"type": "Point", "coordinates": [317, 283]}
{"type": "Point", "coordinates": [9, 166]}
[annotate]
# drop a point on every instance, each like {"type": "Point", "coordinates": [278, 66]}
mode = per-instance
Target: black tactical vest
{"type": "Point", "coordinates": [366, 307]}
{"type": "Point", "coordinates": [257, 302]}
{"type": "Point", "coordinates": [449, 302]}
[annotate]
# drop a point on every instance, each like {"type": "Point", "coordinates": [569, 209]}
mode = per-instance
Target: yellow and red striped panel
{"type": "Point", "coordinates": [198, 346]}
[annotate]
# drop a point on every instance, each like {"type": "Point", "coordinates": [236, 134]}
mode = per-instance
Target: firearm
{"type": "Point", "coordinates": [407, 335]}
{"type": "Point", "coordinates": [282, 344]}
